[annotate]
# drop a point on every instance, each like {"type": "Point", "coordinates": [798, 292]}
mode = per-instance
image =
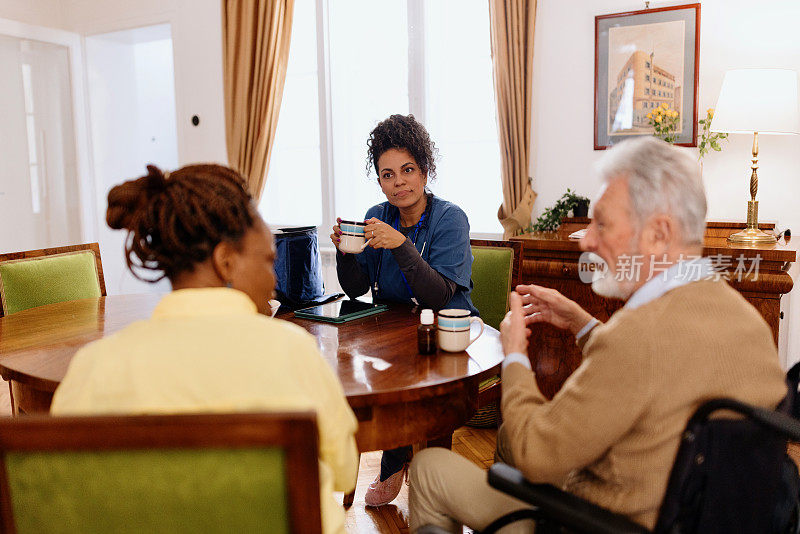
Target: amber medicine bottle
{"type": "Point", "coordinates": [426, 333]}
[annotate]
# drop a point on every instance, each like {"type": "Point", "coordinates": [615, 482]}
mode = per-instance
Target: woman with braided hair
{"type": "Point", "coordinates": [210, 345]}
{"type": "Point", "coordinates": [191, 227]}
{"type": "Point", "coordinates": [419, 250]}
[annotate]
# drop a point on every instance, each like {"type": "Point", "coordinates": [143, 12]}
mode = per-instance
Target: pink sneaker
{"type": "Point", "coordinates": [380, 493]}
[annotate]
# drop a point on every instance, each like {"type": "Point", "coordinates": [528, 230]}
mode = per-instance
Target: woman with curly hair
{"type": "Point", "coordinates": [418, 252]}
{"type": "Point", "coordinates": [210, 345]}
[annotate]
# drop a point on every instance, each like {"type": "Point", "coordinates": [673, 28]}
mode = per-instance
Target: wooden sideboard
{"type": "Point", "coordinates": [551, 259]}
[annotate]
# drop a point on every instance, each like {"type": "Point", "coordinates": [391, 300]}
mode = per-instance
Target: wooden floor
{"type": "Point", "coordinates": [474, 444]}
{"type": "Point", "coordinates": [5, 399]}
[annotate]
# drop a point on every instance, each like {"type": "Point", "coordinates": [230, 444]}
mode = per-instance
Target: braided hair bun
{"type": "Point", "coordinates": [175, 220]}
{"type": "Point", "coordinates": [124, 201]}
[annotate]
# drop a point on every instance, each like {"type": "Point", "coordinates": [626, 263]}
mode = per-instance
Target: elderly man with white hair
{"type": "Point", "coordinates": [684, 336]}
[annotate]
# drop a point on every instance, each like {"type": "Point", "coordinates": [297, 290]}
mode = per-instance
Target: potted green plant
{"type": "Point", "coordinates": [551, 217]}
{"type": "Point", "coordinates": [580, 205]}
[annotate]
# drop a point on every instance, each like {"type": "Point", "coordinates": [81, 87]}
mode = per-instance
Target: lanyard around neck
{"type": "Point", "coordinates": [416, 227]}
{"type": "Point", "coordinates": [396, 226]}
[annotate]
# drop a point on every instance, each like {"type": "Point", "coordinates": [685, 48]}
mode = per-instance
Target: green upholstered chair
{"type": "Point", "coordinates": [495, 272]}
{"type": "Point", "coordinates": [210, 473]}
{"type": "Point", "coordinates": [496, 267]}
{"type": "Point", "coordinates": [38, 277]}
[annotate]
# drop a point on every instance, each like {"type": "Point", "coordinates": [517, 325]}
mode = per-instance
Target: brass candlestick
{"type": "Point", "coordinates": [752, 235]}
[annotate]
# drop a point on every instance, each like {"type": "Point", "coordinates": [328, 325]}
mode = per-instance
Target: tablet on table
{"type": "Point", "coordinates": [340, 311]}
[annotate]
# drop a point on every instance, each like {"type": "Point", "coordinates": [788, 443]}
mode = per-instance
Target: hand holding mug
{"type": "Point", "coordinates": [336, 236]}
{"type": "Point", "coordinates": [348, 236]}
{"type": "Point", "coordinates": [382, 235]}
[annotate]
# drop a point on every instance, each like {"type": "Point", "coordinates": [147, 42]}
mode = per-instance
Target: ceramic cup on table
{"type": "Point", "coordinates": [352, 238]}
{"type": "Point", "coordinates": [453, 326]}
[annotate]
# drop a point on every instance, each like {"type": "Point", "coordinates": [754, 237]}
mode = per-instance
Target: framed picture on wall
{"type": "Point", "coordinates": [644, 60]}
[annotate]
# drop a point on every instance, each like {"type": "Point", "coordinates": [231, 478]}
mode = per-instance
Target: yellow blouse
{"type": "Point", "coordinates": [208, 350]}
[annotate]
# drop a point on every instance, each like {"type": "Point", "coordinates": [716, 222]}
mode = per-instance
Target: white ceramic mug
{"type": "Point", "coordinates": [453, 327]}
{"type": "Point", "coordinates": [352, 237]}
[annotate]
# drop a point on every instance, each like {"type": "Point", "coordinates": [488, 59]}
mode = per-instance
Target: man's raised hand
{"type": "Point", "coordinates": [545, 305]}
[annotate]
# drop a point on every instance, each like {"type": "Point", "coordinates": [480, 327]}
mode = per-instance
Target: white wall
{"type": "Point", "coordinates": [155, 99]}
{"type": "Point", "coordinates": [15, 187]}
{"type": "Point", "coordinates": [60, 118]}
{"type": "Point", "coordinates": [197, 90]}
{"type": "Point", "coordinates": [197, 48]}
{"type": "Point", "coordinates": [197, 53]}
{"type": "Point", "coordinates": [47, 13]}
{"type": "Point", "coordinates": [197, 59]}
{"type": "Point", "coordinates": [733, 34]}
{"type": "Point", "coordinates": [133, 124]}
{"type": "Point", "coordinates": [111, 83]}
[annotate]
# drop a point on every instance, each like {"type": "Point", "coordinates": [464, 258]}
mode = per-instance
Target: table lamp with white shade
{"type": "Point", "coordinates": [754, 101]}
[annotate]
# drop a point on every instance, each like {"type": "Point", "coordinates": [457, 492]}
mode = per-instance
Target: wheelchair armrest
{"type": "Point", "coordinates": [781, 423]}
{"type": "Point", "coordinates": [562, 507]}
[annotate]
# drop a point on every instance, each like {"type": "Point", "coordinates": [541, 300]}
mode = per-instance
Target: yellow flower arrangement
{"type": "Point", "coordinates": [664, 122]}
{"type": "Point", "coordinates": [708, 139]}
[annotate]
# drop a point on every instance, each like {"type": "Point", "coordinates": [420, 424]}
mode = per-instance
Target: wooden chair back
{"type": "Point", "coordinates": [160, 473]}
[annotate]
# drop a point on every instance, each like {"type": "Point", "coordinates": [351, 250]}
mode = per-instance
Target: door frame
{"type": "Point", "coordinates": [74, 44]}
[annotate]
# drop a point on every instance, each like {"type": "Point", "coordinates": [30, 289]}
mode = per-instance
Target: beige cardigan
{"type": "Point", "coordinates": [613, 429]}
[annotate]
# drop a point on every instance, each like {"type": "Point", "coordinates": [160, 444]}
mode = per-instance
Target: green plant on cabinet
{"type": "Point", "coordinates": [551, 217]}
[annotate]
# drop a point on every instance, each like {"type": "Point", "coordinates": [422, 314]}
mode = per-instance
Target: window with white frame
{"type": "Point", "coordinates": [353, 63]}
{"type": "Point", "coordinates": [293, 195]}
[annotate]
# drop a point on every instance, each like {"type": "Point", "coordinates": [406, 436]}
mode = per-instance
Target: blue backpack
{"type": "Point", "coordinates": [297, 267]}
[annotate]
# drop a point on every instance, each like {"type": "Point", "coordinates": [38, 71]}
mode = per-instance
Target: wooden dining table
{"type": "Point", "coordinates": [399, 396]}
